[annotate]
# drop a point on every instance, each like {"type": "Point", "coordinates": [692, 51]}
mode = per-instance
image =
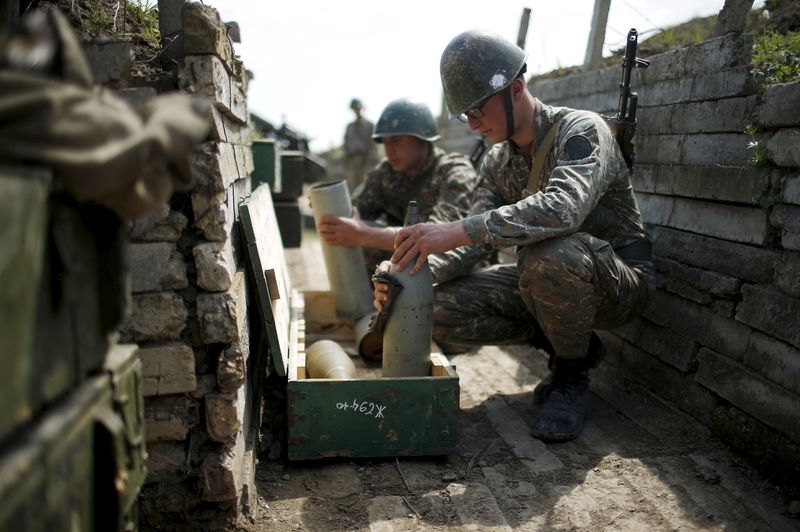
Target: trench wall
{"type": "Point", "coordinates": [189, 310]}
{"type": "Point", "coordinates": [721, 337]}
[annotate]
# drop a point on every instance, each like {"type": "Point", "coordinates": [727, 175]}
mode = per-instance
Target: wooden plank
{"type": "Point", "coordinates": [477, 508]}
{"type": "Point", "coordinates": [743, 488]}
{"type": "Point", "coordinates": [485, 386]}
{"type": "Point", "coordinates": [702, 493]}
{"type": "Point", "coordinates": [440, 366]}
{"type": "Point", "coordinates": [265, 252]}
{"type": "Point", "coordinates": [530, 451]}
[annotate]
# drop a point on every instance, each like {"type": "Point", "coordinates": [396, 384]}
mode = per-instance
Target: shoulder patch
{"type": "Point", "coordinates": [577, 147]}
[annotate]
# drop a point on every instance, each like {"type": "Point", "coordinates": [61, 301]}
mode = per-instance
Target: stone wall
{"type": "Point", "coordinates": [721, 339]}
{"type": "Point", "coordinates": [190, 308]}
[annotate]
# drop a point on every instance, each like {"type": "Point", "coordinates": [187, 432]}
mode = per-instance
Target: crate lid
{"type": "Point", "coordinates": [267, 262]}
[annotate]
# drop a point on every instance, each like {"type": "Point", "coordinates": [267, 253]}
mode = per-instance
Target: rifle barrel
{"type": "Point", "coordinates": [628, 64]}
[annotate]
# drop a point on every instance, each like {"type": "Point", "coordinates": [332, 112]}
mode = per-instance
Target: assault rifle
{"type": "Point", "coordinates": [624, 123]}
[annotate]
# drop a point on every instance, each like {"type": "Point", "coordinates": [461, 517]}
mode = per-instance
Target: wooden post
{"type": "Point", "coordinates": [522, 34]}
{"type": "Point", "coordinates": [594, 49]}
{"type": "Point", "coordinates": [733, 16]}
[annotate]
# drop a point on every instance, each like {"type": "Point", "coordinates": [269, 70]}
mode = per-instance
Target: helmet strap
{"type": "Point", "coordinates": [509, 112]}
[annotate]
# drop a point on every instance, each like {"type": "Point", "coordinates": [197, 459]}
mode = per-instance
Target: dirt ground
{"type": "Point", "coordinates": [639, 465]}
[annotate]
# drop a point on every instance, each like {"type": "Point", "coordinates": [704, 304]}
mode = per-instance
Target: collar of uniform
{"type": "Point", "coordinates": [436, 153]}
{"type": "Point", "coordinates": [543, 118]}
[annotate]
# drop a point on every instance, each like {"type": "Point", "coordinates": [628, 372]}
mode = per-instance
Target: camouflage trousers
{"type": "Point", "coordinates": [559, 290]}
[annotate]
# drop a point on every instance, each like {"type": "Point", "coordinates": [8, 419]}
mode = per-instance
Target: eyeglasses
{"type": "Point", "coordinates": [474, 112]}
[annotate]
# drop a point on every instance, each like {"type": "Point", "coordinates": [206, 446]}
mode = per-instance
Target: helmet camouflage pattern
{"type": "Point", "coordinates": [475, 65]}
{"type": "Point", "coordinates": [406, 117]}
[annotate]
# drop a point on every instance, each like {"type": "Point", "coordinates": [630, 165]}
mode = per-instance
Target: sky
{"type": "Point", "coordinates": [309, 58]}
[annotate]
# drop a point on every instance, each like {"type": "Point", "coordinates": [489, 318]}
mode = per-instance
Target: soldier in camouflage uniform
{"type": "Point", "coordinates": [414, 169]}
{"type": "Point", "coordinates": [583, 255]}
{"type": "Point", "coordinates": [359, 150]}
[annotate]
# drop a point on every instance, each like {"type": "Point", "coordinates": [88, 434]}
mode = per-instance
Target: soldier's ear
{"type": "Point", "coordinates": [517, 88]}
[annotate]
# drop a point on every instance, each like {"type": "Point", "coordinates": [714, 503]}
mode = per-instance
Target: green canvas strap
{"type": "Point", "coordinates": [535, 177]}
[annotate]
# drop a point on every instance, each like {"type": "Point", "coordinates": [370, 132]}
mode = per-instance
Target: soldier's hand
{"type": "Point", "coordinates": [415, 243]}
{"type": "Point", "coordinates": [339, 231]}
{"type": "Point", "coordinates": [381, 290]}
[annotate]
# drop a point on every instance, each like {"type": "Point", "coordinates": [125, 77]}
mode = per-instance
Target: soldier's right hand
{"type": "Point", "coordinates": [341, 231]}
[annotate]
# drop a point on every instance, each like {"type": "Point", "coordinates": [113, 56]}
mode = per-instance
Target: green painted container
{"type": "Point", "coordinates": [81, 463]}
{"type": "Point", "coordinates": [290, 222]}
{"type": "Point", "coordinates": [298, 168]}
{"type": "Point", "coordinates": [293, 171]}
{"type": "Point", "coordinates": [23, 232]}
{"type": "Point", "coordinates": [266, 164]}
{"type": "Point", "coordinates": [63, 294]}
{"type": "Point", "coordinates": [366, 417]}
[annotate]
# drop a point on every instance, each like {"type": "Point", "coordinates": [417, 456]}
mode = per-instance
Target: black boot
{"type": "Point", "coordinates": [593, 357]}
{"type": "Point", "coordinates": [542, 390]}
{"type": "Point", "coordinates": [566, 401]}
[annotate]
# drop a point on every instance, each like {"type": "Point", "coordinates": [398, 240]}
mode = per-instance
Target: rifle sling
{"type": "Point", "coordinates": [535, 177]}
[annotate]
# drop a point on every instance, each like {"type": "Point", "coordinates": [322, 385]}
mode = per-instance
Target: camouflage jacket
{"type": "Point", "coordinates": [585, 188]}
{"type": "Point", "coordinates": [358, 138]}
{"type": "Point", "coordinates": [442, 190]}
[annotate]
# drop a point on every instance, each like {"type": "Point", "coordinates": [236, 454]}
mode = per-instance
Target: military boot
{"type": "Point", "coordinates": [542, 390]}
{"type": "Point", "coordinates": [565, 402]}
{"type": "Point", "coordinates": [594, 355]}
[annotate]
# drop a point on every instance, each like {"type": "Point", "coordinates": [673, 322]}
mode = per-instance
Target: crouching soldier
{"type": "Point", "coordinates": [554, 186]}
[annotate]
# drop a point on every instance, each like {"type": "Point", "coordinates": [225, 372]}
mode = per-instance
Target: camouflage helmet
{"type": "Point", "coordinates": [475, 65]}
{"type": "Point", "coordinates": [406, 117]}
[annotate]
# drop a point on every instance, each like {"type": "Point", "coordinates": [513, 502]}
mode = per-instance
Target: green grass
{"type": "Point", "coordinates": [776, 57]}
{"type": "Point", "coordinates": [680, 36]}
{"type": "Point", "coordinates": [145, 13]}
{"type": "Point", "coordinates": [97, 19]}
{"type": "Point", "coordinates": [760, 157]}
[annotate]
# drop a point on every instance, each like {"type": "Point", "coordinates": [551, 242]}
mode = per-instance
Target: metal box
{"type": "Point", "coordinates": [293, 169]}
{"type": "Point", "coordinates": [368, 416]}
{"type": "Point", "coordinates": [23, 230]}
{"type": "Point", "coordinates": [80, 464]}
{"type": "Point", "coordinates": [298, 168]}
{"type": "Point", "coordinates": [65, 290]}
{"type": "Point", "coordinates": [290, 223]}
{"type": "Point", "coordinates": [266, 164]}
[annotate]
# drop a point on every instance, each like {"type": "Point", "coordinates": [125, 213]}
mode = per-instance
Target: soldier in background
{"type": "Point", "coordinates": [583, 255]}
{"type": "Point", "coordinates": [359, 150]}
{"type": "Point", "coordinates": [414, 169]}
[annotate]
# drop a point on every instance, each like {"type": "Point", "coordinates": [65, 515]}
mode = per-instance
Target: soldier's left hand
{"type": "Point", "coordinates": [381, 291]}
{"type": "Point", "coordinates": [420, 240]}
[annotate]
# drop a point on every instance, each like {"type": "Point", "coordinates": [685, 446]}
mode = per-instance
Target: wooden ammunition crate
{"type": "Point", "coordinates": [368, 416]}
